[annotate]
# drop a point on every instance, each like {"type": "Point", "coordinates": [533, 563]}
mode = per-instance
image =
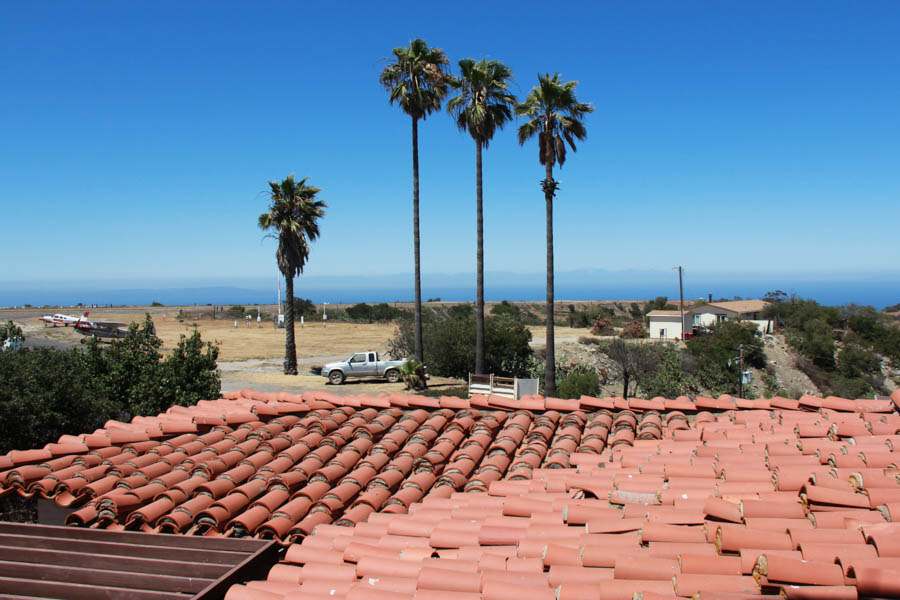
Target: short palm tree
{"type": "Point", "coordinates": [417, 81]}
{"type": "Point", "coordinates": [555, 116]}
{"type": "Point", "coordinates": [483, 106]}
{"type": "Point", "coordinates": [293, 215]}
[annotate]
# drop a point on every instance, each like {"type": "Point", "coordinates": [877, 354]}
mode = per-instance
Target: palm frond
{"type": "Point", "coordinates": [417, 78]}
{"type": "Point", "coordinates": [293, 214]}
{"type": "Point", "coordinates": [553, 110]}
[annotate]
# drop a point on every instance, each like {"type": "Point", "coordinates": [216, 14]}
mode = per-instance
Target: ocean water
{"type": "Point", "coordinates": [875, 293]}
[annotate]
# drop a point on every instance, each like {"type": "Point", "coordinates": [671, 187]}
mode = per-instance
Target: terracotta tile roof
{"type": "Point", "coordinates": [397, 496]}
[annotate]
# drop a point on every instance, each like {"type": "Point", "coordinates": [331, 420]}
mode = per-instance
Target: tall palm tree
{"type": "Point", "coordinates": [483, 106]}
{"type": "Point", "coordinates": [293, 215]}
{"type": "Point", "coordinates": [555, 115]}
{"type": "Point", "coordinates": [417, 80]}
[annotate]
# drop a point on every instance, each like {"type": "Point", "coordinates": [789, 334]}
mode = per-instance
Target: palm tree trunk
{"type": "Point", "coordinates": [550, 365]}
{"type": "Point", "coordinates": [479, 285]}
{"type": "Point", "coordinates": [290, 348]}
{"type": "Point", "coordinates": [418, 274]}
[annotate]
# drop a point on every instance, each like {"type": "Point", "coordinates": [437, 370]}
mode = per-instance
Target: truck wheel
{"type": "Point", "coordinates": [392, 376]}
{"type": "Point", "coordinates": [336, 377]}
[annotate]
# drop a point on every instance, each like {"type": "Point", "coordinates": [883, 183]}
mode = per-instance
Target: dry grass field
{"type": "Point", "coordinates": [252, 356]}
{"type": "Point", "coordinates": [235, 343]}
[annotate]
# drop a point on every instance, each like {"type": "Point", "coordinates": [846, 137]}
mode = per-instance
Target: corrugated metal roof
{"type": "Point", "coordinates": [65, 562]}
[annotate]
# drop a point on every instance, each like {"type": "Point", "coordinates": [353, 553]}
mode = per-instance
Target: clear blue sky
{"type": "Point", "coordinates": [136, 139]}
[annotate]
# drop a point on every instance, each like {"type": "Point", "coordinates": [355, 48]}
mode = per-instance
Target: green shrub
{"type": "Point", "coordinates": [378, 313]}
{"type": "Point", "coordinates": [505, 309]}
{"type": "Point", "coordinates": [669, 377]}
{"type": "Point", "coordinates": [588, 316]}
{"type": "Point", "coordinates": [449, 343]}
{"type": "Point", "coordinates": [850, 387]}
{"type": "Point", "coordinates": [717, 369]}
{"type": "Point", "coordinates": [303, 307]}
{"type": "Point", "coordinates": [817, 343]}
{"type": "Point", "coordinates": [854, 361]}
{"type": "Point", "coordinates": [576, 385]}
{"type": "Point", "coordinates": [45, 393]}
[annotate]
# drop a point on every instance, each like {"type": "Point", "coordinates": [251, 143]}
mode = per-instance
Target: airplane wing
{"type": "Point", "coordinates": [108, 324]}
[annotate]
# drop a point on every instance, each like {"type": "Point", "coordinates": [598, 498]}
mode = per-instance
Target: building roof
{"type": "Point", "coordinates": [399, 497]}
{"type": "Point", "coordinates": [71, 562]}
{"type": "Point", "coordinates": [666, 313]}
{"type": "Point", "coordinates": [739, 306]}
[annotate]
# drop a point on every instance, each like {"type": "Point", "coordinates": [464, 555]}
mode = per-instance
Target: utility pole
{"type": "Point", "coordinates": [741, 373]}
{"type": "Point", "coordinates": [681, 300]}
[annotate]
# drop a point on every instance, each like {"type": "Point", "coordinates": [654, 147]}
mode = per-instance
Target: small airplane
{"type": "Point", "coordinates": [60, 319]}
{"type": "Point", "coordinates": [100, 329]}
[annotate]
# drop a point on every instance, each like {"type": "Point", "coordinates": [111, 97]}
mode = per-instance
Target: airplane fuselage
{"type": "Point", "coordinates": [59, 319]}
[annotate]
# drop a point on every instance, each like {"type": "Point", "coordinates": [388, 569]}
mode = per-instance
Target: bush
{"type": "Point", "coordinates": [193, 372]}
{"type": "Point", "coordinates": [850, 387]}
{"type": "Point", "coordinates": [10, 330]}
{"type": "Point", "coordinates": [854, 361]}
{"type": "Point", "coordinates": [576, 385]}
{"type": "Point", "coordinates": [255, 312]}
{"type": "Point", "coordinates": [45, 393]}
{"type": "Point", "coordinates": [717, 369]}
{"type": "Point", "coordinates": [521, 314]}
{"type": "Point", "coordinates": [155, 303]}
{"type": "Point", "coordinates": [304, 307]}
{"type": "Point", "coordinates": [817, 343]}
{"type": "Point", "coordinates": [635, 361]}
{"type": "Point", "coordinates": [379, 313]}
{"type": "Point", "coordinates": [235, 312]}
{"type": "Point", "coordinates": [449, 343]}
{"type": "Point", "coordinates": [602, 327]}
{"type": "Point", "coordinates": [505, 309]}
{"type": "Point", "coordinates": [670, 377]}
{"type": "Point", "coordinates": [875, 329]}
{"type": "Point", "coordinates": [634, 329]}
{"type": "Point", "coordinates": [815, 373]}
{"type": "Point", "coordinates": [588, 316]}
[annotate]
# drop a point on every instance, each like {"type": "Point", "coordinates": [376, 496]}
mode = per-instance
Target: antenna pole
{"type": "Point", "coordinates": [681, 301]}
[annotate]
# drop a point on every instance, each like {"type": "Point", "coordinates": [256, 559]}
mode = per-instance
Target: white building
{"type": "Point", "coordinates": [665, 324]}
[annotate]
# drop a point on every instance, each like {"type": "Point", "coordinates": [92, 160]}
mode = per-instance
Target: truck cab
{"type": "Point", "coordinates": [363, 364]}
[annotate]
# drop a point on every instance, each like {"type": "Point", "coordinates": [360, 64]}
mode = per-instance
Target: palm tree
{"type": "Point", "coordinates": [555, 115]}
{"type": "Point", "coordinates": [483, 106]}
{"type": "Point", "coordinates": [417, 80]}
{"type": "Point", "coordinates": [293, 215]}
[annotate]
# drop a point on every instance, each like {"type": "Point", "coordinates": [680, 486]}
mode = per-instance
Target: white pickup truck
{"type": "Point", "coordinates": [363, 364]}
